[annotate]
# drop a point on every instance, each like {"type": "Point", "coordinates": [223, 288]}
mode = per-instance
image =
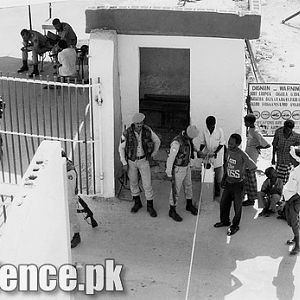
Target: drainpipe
{"type": "Point", "coordinates": [99, 101]}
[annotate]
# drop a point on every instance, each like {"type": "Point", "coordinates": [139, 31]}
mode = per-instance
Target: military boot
{"type": "Point", "coordinates": [150, 209]}
{"type": "Point", "coordinates": [35, 71]}
{"type": "Point", "coordinates": [137, 204]}
{"type": "Point", "coordinates": [75, 240]}
{"type": "Point", "coordinates": [296, 248]}
{"type": "Point", "coordinates": [24, 67]}
{"type": "Point", "coordinates": [190, 207]}
{"type": "Point", "coordinates": [173, 214]}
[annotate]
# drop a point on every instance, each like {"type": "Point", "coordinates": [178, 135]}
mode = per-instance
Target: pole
{"type": "Point", "coordinates": [290, 17]}
{"type": "Point", "coordinates": [29, 15]}
{"type": "Point", "coordinates": [50, 10]}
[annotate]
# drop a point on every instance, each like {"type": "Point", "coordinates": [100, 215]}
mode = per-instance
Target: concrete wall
{"type": "Point", "coordinates": [216, 88]}
{"type": "Point", "coordinates": [216, 77]}
{"type": "Point", "coordinates": [106, 108]}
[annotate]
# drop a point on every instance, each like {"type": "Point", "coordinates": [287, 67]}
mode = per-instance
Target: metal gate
{"type": "Point", "coordinates": [37, 110]}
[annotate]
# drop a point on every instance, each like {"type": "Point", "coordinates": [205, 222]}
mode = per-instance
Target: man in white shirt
{"type": "Point", "coordinates": [291, 193]}
{"type": "Point", "coordinates": [67, 59]}
{"type": "Point", "coordinates": [138, 144]}
{"type": "Point", "coordinates": [212, 143]}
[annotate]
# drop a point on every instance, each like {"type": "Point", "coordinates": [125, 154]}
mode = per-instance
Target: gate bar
{"type": "Point", "coordinates": [6, 140]}
{"type": "Point", "coordinates": [18, 127]}
{"type": "Point", "coordinates": [24, 123]}
{"type": "Point", "coordinates": [30, 116]}
{"type": "Point", "coordinates": [11, 126]}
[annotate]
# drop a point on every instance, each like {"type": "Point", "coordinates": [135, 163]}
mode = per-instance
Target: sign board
{"type": "Point", "coordinates": [273, 103]}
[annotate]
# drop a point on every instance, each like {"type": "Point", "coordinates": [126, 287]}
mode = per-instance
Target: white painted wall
{"type": "Point", "coordinates": [216, 86]}
{"type": "Point", "coordinates": [216, 77]}
{"type": "Point", "coordinates": [103, 46]}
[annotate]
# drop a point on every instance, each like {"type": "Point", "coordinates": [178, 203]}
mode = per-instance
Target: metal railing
{"type": "Point", "coordinates": [39, 109]}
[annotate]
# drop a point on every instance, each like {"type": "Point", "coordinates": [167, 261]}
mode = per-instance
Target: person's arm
{"type": "Point", "coordinates": [248, 103]}
{"type": "Point", "coordinates": [263, 144]}
{"type": "Point", "coordinates": [156, 142]}
{"type": "Point", "coordinates": [274, 144]}
{"type": "Point", "coordinates": [202, 143]}
{"type": "Point", "coordinates": [250, 164]}
{"type": "Point", "coordinates": [122, 146]}
{"type": "Point", "coordinates": [171, 158]}
{"type": "Point", "coordinates": [65, 31]}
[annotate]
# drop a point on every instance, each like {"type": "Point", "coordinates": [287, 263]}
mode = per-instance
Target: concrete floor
{"type": "Point", "coordinates": [156, 253]}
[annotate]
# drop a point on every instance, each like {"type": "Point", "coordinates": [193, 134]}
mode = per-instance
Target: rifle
{"type": "Point", "coordinates": [89, 213]}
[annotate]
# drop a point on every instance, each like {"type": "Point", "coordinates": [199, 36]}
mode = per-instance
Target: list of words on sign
{"type": "Point", "coordinates": [274, 103]}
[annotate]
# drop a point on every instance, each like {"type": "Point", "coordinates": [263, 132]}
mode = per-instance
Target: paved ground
{"type": "Point", "coordinates": [253, 264]}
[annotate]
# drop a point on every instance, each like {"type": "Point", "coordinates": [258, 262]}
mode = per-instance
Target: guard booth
{"type": "Point", "coordinates": [176, 64]}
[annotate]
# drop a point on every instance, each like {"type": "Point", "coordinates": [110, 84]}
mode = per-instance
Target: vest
{"type": "Point", "coordinates": [184, 154]}
{"type": "Point", "coordinates": [132, 142]}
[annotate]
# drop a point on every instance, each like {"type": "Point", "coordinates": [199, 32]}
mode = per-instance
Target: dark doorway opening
{"type": "Point", "coordinates": [165, 90]}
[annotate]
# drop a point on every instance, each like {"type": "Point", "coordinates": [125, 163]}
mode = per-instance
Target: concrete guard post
{"type": "Point", "coordinates": [106, 97]}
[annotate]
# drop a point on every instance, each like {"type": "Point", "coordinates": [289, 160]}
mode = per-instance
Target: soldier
{"type": "Point", "coordinates": [179, 170]}
{"type": "Point", "coordinates": [37, 43]}
{"type": "Point", "coordinates": [65, 32]}
{"type": "Point", "coordinates": [138, 144]}
{"type": "Point", "coordinates": [72, 201]}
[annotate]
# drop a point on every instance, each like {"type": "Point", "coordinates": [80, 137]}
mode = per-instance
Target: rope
{"type": "Point", "coordinates": [195, 231]}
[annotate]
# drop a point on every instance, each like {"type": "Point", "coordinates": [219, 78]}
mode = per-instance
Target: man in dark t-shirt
{"type": "Point", "coordinates": [237, 161]}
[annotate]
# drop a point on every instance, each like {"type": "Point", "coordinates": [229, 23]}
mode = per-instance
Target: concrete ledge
{"type": "Point", "coordinates": [141, 21]}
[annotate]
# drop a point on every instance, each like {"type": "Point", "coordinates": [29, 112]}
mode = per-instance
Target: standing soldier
{"type": "Point", "coordinates": [179, 170]}
{"type": "Point", "coordinates": [72, 201]}
{"type": "Point", "coordinates": [138, 144]}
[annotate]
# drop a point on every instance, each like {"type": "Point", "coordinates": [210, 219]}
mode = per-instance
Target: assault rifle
{"type": "Point", "coordinates": [89, 213]}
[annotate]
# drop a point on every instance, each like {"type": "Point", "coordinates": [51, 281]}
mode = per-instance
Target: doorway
{"type": "Point", "coordinates": [165, 90]}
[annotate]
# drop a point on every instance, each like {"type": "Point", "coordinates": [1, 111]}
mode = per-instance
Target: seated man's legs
{"type": "Point", "coordinates": [24, 59]}
{"type": "Point", "coordinates": [273, 200]}
{"type": "Point", "coordinates": [263, 198]}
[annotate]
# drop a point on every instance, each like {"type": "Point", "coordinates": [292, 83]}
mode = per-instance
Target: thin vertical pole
{"type": "Point", "coordinates": [71, 119]}
{"type": "Point", "coordinates": [29, 15]}
{"type": "Point", "coordinates": [64, 112]}
{"type": "Point", "coordinates": [78, 137]}
{"type": "Point", "coordinates": [37, 110]}
{"type": "Point", "coordinates": [5, 136]}
{"type": "Point", "coordinates": [11, 129]}
{"type": "Point", "coordinates": [18, 127]}
{"type": "Point", "coordinates": [50, 111]}
{"type": "Point", "coordinates": [50, 10]}
{"type": "Point", "coordinates": [57, 108]}
{"type": "Point", "coordinates": [30, 114]}
{"type": "Point", "coordinates": [24, 123]}
{"type": "Point", "coordinates": [93, 137]}
{"type": "Point", "coordinates": [85, 153]}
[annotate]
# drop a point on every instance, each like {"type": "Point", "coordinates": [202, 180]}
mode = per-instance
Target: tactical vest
{"type": "Point", "coordinates": [184, 154]}
{"type": "Point", "coordinates": [70, 166]}
{"type": "Point", "coordinates": [132, 142]}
